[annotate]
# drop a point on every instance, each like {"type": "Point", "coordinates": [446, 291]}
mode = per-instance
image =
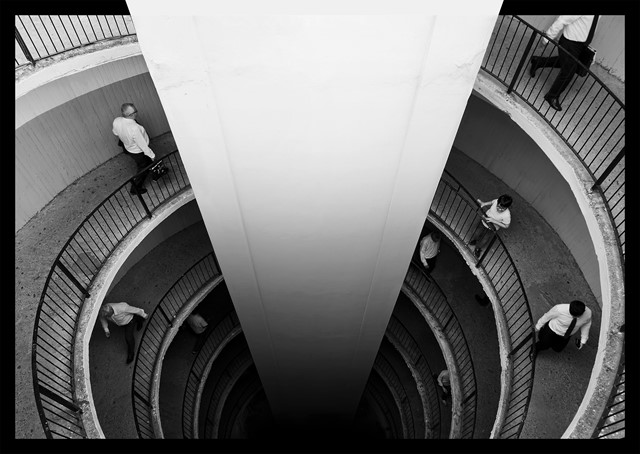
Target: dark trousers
{"type": "Point", "coordinates": [563, 61]}
{"type": "Point", "coordinates": [136, 322]}
{"type": "Point", "coordinates": [482, 236]}
{"type": "Point", "coordinates": [142, 161]}
{"type": "Point", "coordinates": [432, 264]}
{"type": "Point", "coordinates": [547, 338]}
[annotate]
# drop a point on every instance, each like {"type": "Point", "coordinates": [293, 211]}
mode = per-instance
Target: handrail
{"type": "Point", "coordinates": [390, 378]}
{"type": "Point", "coordinates": [400, 336]}
{"type": "Point", "coordinates": [159, 323]}
{"type": "Point", "coordinates": [612, 422]}
{"type": "Point", "coordinates": [39, 36]}
{"type": "Point", "coordinates": [217, 338]}
{"type": "Point", "coordinates": [591, 124]}
{"type": "Point", "coordinates": [455, 208]}
{"type": "Point", "coordinates": [67, 285]}
{"type": "Point", "coordinates": [433, 298]}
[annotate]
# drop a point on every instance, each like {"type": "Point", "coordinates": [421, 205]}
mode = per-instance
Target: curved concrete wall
{"type": "Point", "coordinates": [63, 120]}
{"type": "Point", "coordinates": [489, 136]}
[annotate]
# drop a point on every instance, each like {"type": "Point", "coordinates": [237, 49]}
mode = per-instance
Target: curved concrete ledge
{"type": "Point", "coordinates": [205, 374]}
{"type": "Point", "coordinates": [225, 394]}
{"type": "Point", "coordinates": [396, 398]}
{"type": "Point", "coordinates": [176, 323]}
{"type": "Point", "coordinates": [504, 340]}
{"type": "Point", "coordinates": [91, 307]}
{"type": "Point", "coordinates": [449, 359]}
{"type": "Point", "coordinates": [604, 237]}
{"type": "Point", "coordinates": [418, 380]}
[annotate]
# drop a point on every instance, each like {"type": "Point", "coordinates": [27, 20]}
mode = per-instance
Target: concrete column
{"type": "Point", "coordinates": [314, 135]}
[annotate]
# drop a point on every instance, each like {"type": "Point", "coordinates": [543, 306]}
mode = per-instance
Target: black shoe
{"type": "Point", "coordinates": [477, 252]}
{"type": "Point", "coordinates": [534, 66]}
{"type": "Point", "coordinates": [140, 191]}
{"type": "Point", "coordinates": [482, 301]}
{"type": "Point", "coordinates": [472, 243]}
{"type": "Point", "coordinates": [553, 102]}
{"type": "Point", "coordinates": [129, 359]}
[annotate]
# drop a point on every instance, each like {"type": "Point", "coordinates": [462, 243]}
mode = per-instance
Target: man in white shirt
{"type": "Point", "coordinates": [125, 315]}
{"type": "Point", "coordinates": [135, 143]}
{"type": "Point", "coordinates": [429, 249]}
{"type": "Point", "coordinates": [575, 30]}
{"type": "Point", "coordinates": [198, 325]}
{"type": "Point", "coordinates": [556, 327]}
{"type": "Point", "coordinates": [496, 216]}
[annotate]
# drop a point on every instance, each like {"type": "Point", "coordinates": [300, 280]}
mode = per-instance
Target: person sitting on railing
{"type": "Point", "coordinates": [429, 249]}
{"type": "Point", "coordinates": [198, 325]}
{"type": "Point", "coordinates": [575, 31]}
{"type": "Point", "coordinates": [556, 327]}
{"type": "Point", "coordinates": [125, 315]}
{"type": "Point", "coordinates": [135, 143]}
{"type": "Point", "coordinates": [496, 216]}
{"type": "Point", "coordinates": [444, 381]}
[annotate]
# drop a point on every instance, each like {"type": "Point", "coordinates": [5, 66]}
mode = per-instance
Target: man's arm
{"type": "Point", "coordinates": [140, 141]}
{"type": "Point", "coordinates": [135, 310]}
{"type": "Point", "coordinates": [552, 313]}
{"type": "Point", "coordinates": [105, 326]}
{"type": "Point", "coordinates": [497, 222]}
{"type": "Point", "coordinates": [484, 204]}
{"type": "Point", "coordinates": [557, 26]}
{"type": "Point", "coordinates": [584, 333]}
{"type": "Point", "coordinates": [422, 252]}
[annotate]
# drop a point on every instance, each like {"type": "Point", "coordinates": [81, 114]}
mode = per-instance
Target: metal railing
{"type": "Point", "coordinates": [379, 393]}
{"type": "Point", "coordinates": [38, 37]}
{"type": "Point", "coordinates": [455, 208]}
{"type": "Point", "coordinates": [433, 298]}
{"type": "Point", "coordinates": [401, 338]}
{"type": "Point", "coordinates": [158, 325]}
{"type": "Point", "coordinates": [592, 120]}
{"type": "Point", "coordinates": [220, 390]}
{"type": "Point", "coordinates": [612, 422]}
{"type": "Point", "coordinates": [216, 337]}
{"type": "Point", "coordinates": [390, 378]}
{"type": "Point", "coordinates": [67, 285]}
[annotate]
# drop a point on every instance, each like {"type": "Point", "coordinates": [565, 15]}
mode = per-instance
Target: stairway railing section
{"type": "Point", "coordinates": [432, 296]}
{"type": "Point", "coordinates": [454, 207]}
{"type": "Point", "coordinates": [592, 120]}
{"type": "Point", "coordinates": [216, 338]}
{"type": "Point", "coordinates": [40, 36]}
{"type": "Point", "coordinates": [68, 284]}
{"type": "Point", "coordinates": [612, 422]}
{"type": "Point", "coordinates": [401, 337]}
{"type": "Point", "coordinates": [156, 328]}
{"type": "Point", "coordinates": [382, 367]}
{"type": "Point", "coordinates": [220, 389]}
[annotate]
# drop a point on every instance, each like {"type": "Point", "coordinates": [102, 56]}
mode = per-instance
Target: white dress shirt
{"type": "Point", "coordinates": [574, 28]}
{"type": "Point", "coordinates": [133, 136]}
{"type": "Point", "coordinates": [428, 248]}
{"type": "Point", "coordinates": [499, 219]}
{"type": "Point", "coordinates": [197, 323]}
{"type": "Point", "coordinates": [559, 319]}
{"type": "Point", "coordinates": [122, 314]}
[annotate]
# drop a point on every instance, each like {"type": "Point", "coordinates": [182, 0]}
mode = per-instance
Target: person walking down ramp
{"type": "Point", "coordinates": [122, 314]}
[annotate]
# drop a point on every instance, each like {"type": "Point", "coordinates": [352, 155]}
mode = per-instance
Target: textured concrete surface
{"type": "Point", "coordinates": [549, 274]}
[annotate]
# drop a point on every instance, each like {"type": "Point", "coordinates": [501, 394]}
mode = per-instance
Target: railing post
{"type": "Point", "coordinates": [144, 205]}
{"type": "Point", "coordinates": [522, 62]}
{"type": "Point", "coordinates": [609, 169]}
{"type": "Point", "coordinates": [72, 278]}
{"type": "Point", "coordinates": [486, 251]}
{"type": "Point", "coordinates": [23, 47]}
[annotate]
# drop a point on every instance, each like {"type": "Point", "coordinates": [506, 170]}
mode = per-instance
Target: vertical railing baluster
{"type": "Point", "coordinates": [522, 62]}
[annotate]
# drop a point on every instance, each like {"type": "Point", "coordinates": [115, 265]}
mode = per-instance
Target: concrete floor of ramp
{"type": "Point", "coordinates": [36, 246]}
{"type": "Point", "coordinates": [143, 286]}
{"type": "Point", "coordinates": [548, 271]}
{"type": "Point", "coordinates": [550, 276]}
